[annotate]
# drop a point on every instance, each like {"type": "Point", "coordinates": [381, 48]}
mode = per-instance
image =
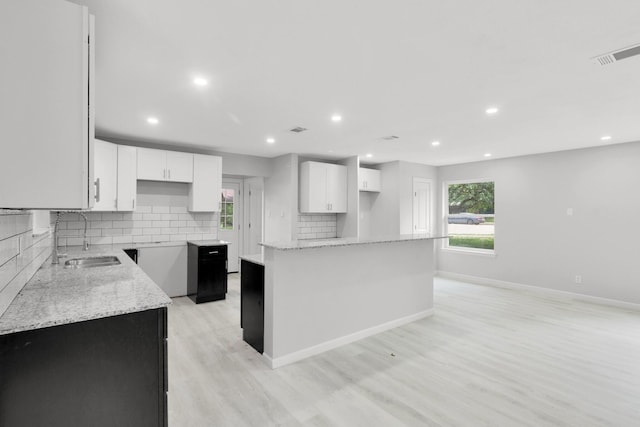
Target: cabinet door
{"type": "Point", "coordinates": [46, 87]}
{"type": "Point", "coordinates": [204, 193]}
{"type": "Point", "coordinates": [337, 188]}
{"type": "Point", "coordinates": [127, 160]}
{"type": "Point", "coordinates": [152, 164]}
{"type": "Point", "coordinates": [313, 187]}
{"type": "Point", "coordinates": [179, 166]}
{"type": "Point", "coordinates": [369, 180]}
{"type": "Point", "coordinates": [105, 175]}
{"type": "Point", "coordinates": [167, 266]}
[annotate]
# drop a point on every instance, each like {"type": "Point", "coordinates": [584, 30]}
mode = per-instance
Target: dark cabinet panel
{"type": "Point", "coordinates": [252, 304]}
{"type": "Point", "coordinates": [207, 273]}
{"type": "Point", "coordinates": [103, 372]}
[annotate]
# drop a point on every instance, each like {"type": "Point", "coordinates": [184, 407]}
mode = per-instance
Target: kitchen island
{"type": "Point", "coordinates": [319, 295]}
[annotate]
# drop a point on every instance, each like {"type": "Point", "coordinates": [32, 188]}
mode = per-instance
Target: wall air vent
{"type": "Point", "coordinates": [298, 129]}
{"type": "Point", "coordinates": [610, 58]}
{"type": "Point", "coordinates": [390, 137]}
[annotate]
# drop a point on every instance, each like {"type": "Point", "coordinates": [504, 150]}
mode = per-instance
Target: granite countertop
{"type": "Point", "coordinates": [56, 296]}
{"type": "Point", "coordinates": [254, 258]}
{"type": "Point", "coordinates": [208, 242]}
{"type": "Point", "coordinates": [308, 244]}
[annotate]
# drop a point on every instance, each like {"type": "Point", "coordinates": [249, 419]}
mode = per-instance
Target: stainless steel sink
{"type": "Point", "coordinates": [98, 261]}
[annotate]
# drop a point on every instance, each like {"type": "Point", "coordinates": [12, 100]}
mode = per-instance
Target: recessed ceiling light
{"type": "Point", "coordinates": [491, 110]}
{"type": "Point", "coordinates": [336, 118]}
{"type": "Point", "coordinates": [369, 155]}
{"type": "Point", "coordinates": [487, 154]}
{"type": "Point", "coordinates": [606, 138]}
{"type": "Point", "coordinates": [200, 81]}
{"type": "Point", "coordinates": [435, 143]}
{"type": "Point", "coordinates": [271, 140]}
{"type": "Point", "coordinates": [153, 120]}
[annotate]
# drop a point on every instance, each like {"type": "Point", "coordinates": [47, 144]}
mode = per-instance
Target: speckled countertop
{"type": "Point", "coordinates": [254, 258]}
{"type": "Point", "coordinates": [309, 244]}
{"type": "Point", "coordinates": [208, 242]}
{"type": "Point", "coordinates": [56, 296]}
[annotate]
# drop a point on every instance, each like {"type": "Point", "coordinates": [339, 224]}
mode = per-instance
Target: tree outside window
{"type": "Point", "coordinates": [471, 215]}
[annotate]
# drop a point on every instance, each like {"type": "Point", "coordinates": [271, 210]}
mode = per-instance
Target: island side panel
{"type": "Point", "coordinates": [320, 298]}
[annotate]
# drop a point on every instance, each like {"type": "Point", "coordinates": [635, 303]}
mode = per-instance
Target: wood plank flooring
{"type": "Point", "coordinates": [488, 357]}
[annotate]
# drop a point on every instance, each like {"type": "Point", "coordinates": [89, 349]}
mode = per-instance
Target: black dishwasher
{"type": "Point", "coordinates": [206, 272]}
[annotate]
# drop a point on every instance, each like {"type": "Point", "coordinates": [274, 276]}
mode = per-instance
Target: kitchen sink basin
{"type": "Point", "coordinates": [98, 261]}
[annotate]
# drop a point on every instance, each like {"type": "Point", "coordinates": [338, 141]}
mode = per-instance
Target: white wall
{"type": "Point", "coordinates": [538, 244]}
{"type": "Point", "coordinates": [391, 212]}
{"type": "Point", "coordinates": [281, 199]}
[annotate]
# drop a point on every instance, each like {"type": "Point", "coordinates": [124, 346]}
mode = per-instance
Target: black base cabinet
{"type": "Point", "coordinates": [104, 372]}
{"type": "Point", "coordinates": [206, 272]}
{"type": "Point", "coordinates": [252, 304]}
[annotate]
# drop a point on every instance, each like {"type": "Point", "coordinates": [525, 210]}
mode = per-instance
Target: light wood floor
{"type": "Point", "coordinates": [488, 357]}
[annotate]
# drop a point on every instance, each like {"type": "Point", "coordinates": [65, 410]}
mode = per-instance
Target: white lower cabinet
{"type": "Point", "coordinates": [204, 192]}
{"type": "Point", "coordinates": [323, 188]}
{"type": "Point", "coordinates": [167, 266]}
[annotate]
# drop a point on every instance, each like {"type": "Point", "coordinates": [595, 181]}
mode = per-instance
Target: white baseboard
{"type": "Point", "coordinates": [338, 342]}
{"type": "Point", "coordinates": [539, 290]}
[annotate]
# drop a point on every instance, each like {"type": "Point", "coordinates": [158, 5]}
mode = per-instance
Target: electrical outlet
{"type": "Point", "coordinates": [578, 279]}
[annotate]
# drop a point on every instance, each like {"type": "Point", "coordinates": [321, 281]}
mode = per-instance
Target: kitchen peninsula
{"type": "Point", "coordinates": [319, 295]}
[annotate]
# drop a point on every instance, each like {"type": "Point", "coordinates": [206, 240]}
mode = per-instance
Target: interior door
{"type": "Point", "coordinates": [253, 215]}
{"type": "Point", "coordinates": [229, 224]}
{"type": "Point", "coordinates": [421, 203]}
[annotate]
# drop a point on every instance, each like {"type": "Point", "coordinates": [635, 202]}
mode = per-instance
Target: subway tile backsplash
{"type": "Point", "coordinates": [317, 226]}
{"type": "Point", "coordinates": [155, 223]}
{"type": "Point", "coordinates": [21, 253]}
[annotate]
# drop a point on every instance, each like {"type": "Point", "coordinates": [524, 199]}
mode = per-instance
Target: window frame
{"type": "Point", "coordinates": [445, 221]}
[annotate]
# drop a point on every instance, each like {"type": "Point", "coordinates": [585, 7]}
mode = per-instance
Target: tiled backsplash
{"type": "Point", "coordinates": [21, 253]}
{"type": "Point", "coordinates": [147, 224]}
{"type": "Point", "coordinates": [317, 226]}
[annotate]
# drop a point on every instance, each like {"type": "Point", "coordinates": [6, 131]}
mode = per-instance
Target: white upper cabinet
{"type": "Point", "coordinates": [204, 192]}
{"type": "Point", "coordinates": [46, 105]}
{"type": "Point", "coordinates": [162, 165]}
{"type": "Point", "coordinates": [105, 175]}
{"type": "Point", "coordinates": [323, 188]}
{"type": "Point", "coordinates": [127, 178]}
{"type": "Point", "coordinates": [115, 177]}
{"type": "Point", "coordinates": [369, 180]}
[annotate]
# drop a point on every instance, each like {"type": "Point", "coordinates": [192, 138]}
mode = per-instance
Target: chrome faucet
{"type": "Point", "coordinates": [55, 257]}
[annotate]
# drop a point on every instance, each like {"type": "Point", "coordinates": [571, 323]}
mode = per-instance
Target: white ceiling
{"type": "Point", "coordinates": [423, 70]}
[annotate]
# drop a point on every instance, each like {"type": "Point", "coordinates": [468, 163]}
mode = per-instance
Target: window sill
{"type": "Point", "coordinates": [471, 251]}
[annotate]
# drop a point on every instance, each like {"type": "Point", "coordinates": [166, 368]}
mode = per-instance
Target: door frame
{"type": "Point", "coordinates": [429, 208]}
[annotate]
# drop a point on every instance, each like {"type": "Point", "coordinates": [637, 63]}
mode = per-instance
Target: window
{"type": "Point", "coordinates": [470, 215]}
{"type": "Point", "coordinates": [226, 213]}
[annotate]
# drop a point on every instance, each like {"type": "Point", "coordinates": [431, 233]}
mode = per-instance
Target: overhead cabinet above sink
{"type": "Point", "coordinates": [163, 165]}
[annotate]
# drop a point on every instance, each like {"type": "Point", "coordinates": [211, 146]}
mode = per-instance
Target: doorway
{"type": "Point", "coordinates": [421, 205]}
{"type": "Point", "coordinates": [229, 224]}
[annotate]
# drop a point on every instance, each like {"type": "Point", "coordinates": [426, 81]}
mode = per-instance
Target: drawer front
{"type": "Point", "coordinates": [206, 252]}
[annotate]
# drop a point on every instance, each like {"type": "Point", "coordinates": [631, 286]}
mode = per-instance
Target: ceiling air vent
{"type": "Point", "coordinates": [390, 137]}
{"type": "Point", "coordinates": [610, 58]}
{"type": "Point", "coordinates": [297, 129]}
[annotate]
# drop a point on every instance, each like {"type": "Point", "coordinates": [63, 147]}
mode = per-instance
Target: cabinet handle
{"type": "Point", "coordinates": [213, 252]}
{"type": "Point", "coordinates": [133, 204]}
{"type": "Point", "coordinates": [97, 184]}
